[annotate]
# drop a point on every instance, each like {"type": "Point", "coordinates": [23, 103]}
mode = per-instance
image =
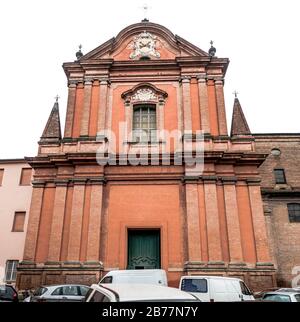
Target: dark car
{"type": "Point", "coordinates": [8, 293]}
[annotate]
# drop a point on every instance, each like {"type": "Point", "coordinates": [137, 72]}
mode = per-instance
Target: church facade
{"type": "Point", "coordinates": [146, 174]}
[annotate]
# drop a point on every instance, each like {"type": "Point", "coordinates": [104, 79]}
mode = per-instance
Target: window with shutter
{"type": "Point", "coordinates": [25, 179]}
{"type": "Point", "coordinates": [1, 176]}
{"type": "Point", "coordinates": [19, 219]}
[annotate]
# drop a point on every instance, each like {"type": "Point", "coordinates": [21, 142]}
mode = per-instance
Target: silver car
{"type": "Point", "coordinates": [59, 293]}
{"type": "Point", "coordinates": [283, 295]}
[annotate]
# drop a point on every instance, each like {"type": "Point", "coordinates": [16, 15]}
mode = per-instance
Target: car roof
{"type": "Point", "coordinates": [61, 285]}
{"type": "Point", "coordinates": [211, 277]}
{"type": "Point", "coordinates": [132, 292]}
{"type": "Point", "coordinates": [280, 292]}
{"type": "Point", "coordinates": [289, 290]}
{"type": "Point", "coordinates": [134, 271]}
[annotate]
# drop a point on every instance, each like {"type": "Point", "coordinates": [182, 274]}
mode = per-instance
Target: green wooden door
{"type": "Point", "coordinates": [143, 249]}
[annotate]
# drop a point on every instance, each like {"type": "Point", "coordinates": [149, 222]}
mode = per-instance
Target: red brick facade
{"type": "Point", "coordinates": [210, 222]}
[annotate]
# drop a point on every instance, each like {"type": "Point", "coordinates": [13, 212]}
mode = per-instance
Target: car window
{"type": "Point", "coordinates": [99, 297]}
{"type": "Point", "coordinates": [58, 291]}
{"type": "Point", "coordinates": [277, 298]}
{"type": "Point", "coordinates": [70, 290]}
{"type": "Point", "coordinates": [40, 291]}
{"type": "Point", "coordinates": [87, 295]}
{"type": "Point", "coordinates": [83, 290]}
{"type": "Point", "coordinates": [245, 289]}
{"type": "Point", "coordinates": [6, 292]}
{"type": "Point", "coordinates": [107, 279]}
{"type": "Point", "coordinates": [194, 285]}
{"type": "Point", "coordinates": [297, 297]}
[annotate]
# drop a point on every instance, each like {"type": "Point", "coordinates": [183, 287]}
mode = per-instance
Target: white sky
{"type": "Point", "coordinates": [260, 37]}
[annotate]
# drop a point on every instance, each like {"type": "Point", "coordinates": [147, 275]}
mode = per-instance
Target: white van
{"type": "Point", "coordinates": [136, 276]}
{"type": "Point", "coordinates": [216, 288]}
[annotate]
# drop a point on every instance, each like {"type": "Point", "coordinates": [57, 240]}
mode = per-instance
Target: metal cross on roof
{"type": "Point", "coordinates": [56, 98]}
{"type": "Point", "coordinates": [235, 93]}
{"type": "Point", "coordinates": [145, 7]}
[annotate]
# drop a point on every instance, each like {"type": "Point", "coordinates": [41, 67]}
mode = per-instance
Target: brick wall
{"type": "Point", "coordinates": [284, 236]}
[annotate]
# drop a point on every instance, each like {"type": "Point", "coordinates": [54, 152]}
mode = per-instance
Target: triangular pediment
{"type": "Point", "coordinates": [144, 40]}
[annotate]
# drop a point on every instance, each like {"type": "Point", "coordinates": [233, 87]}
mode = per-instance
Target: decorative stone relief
{"type": "Point", "coordinates": [144, 94]}
{"type": "Point", "coordinates": [144, 45]}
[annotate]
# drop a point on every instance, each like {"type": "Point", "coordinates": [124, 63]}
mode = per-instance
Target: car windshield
{"type": "Point", "coordinates": [40, 291]}
{"type": "Point", "coordinates": [277, 298]}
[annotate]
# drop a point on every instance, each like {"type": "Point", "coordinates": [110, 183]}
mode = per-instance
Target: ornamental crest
{"type": "Point", "coordinates": [144, 94]}
{"type": "Point", "coordinates": [144, 46]}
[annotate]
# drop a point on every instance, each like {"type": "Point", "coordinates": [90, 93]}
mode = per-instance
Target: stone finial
{"type": "Point", "coordinates": [212, 50]}
{"type": "Point", "coordinates": [239, 125]}
{"type": "Point", "coordinates": [52, 131]}
{"type": "Point", "coordinates": [79, 53]}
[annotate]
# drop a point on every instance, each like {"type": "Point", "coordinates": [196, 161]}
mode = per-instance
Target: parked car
{"type": "Point", "coordinates": [216, 288]}
{"type": "Point", "coordinates": [282, 295]}
{"type": "Point", "coordinates": [59, 293]}
{"type": "Point", "coordinates": [144, 276]}
{"type": "Point", "coordinates": [8, 293]}
{"type": "Point", "coordinates": [137, 293]}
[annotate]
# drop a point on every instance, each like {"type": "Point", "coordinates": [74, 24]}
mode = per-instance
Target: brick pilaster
{"type": "Point", "coordinates": [84, 131]}
{"type": "Point", "coordinates": [76, 221]}
{"type": "Point", "coordinates": [212, 222]}
{"type": "Point", "coordinates": [186, 97]}
{"type": "Point", "coordinates": [259, 224]}
{"type": "Point", "coordinates": [203, 99]}
{"type": "Point", "coordinates": [193, 226]}
{"type": "Point", "coordinates": [221, 107]}
{"type": "Point", "coordinates": [94, 230]}
{"type": "Point", "coordinates": [70, 110]}
{"type": "Point", "coordinates": [233, 226]}
{"type": "Point", "coordinates": [33, 224]}
{"type": "Point", "coordinates": [57, 222]}
{"type": "Point", "coordinates": [102, 105]}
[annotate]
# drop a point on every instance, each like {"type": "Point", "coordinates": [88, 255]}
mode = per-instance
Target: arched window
{"type": "Point", "coordinates": [294, 212]}
{"type": "Point", "coordinates": [144, 123]}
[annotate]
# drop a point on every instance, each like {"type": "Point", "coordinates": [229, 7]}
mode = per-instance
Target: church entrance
{"type": "Point", "coordinates": [143, 249]}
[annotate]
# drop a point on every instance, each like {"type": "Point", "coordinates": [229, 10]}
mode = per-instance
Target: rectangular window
{"type": "Point", "coordinates": [144, 123]}
{"type": "Point", "coordinates": [194, 285]}
{"type": "Point", "coordinates": [279, 176]}
{"type": "Point", "coordinates": [11, 270]}
{"type": "Point", "coordinates": [19, 221]}
{"type": "Point", "coordinates": [25, 179]}
{"type": "Point", "coordinates": [1, 176]}
{"type": "Point", "coordinates": [294, 212]}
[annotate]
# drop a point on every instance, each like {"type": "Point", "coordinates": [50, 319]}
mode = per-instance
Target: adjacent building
{"type": "Point", "coordinates": [280, 189]}
{"type": "Point", "coordinates": [15, 196]}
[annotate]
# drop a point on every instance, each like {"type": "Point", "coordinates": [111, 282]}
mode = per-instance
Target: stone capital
{"type": "Point", "coordinates": [38, 184]}
{"type": "Point", "coordinates": [61, 182]}
{"type": "Point", "coordinates": [88, 81]}
{"type": "Point", "coordinates": [72, 83]}
{"type": "Point", "coordinates": [185, 79]}
{"type": "Point", "coordinates": [201, 78]}
{"type": "Point", "coordinates": [97, 181]}
{"type": "Point", "coordinates": [79, 181]}
{"type": "Point", "coordinates": [104, 81]}
{"type": "Point", "coordinates": [219, 81]}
